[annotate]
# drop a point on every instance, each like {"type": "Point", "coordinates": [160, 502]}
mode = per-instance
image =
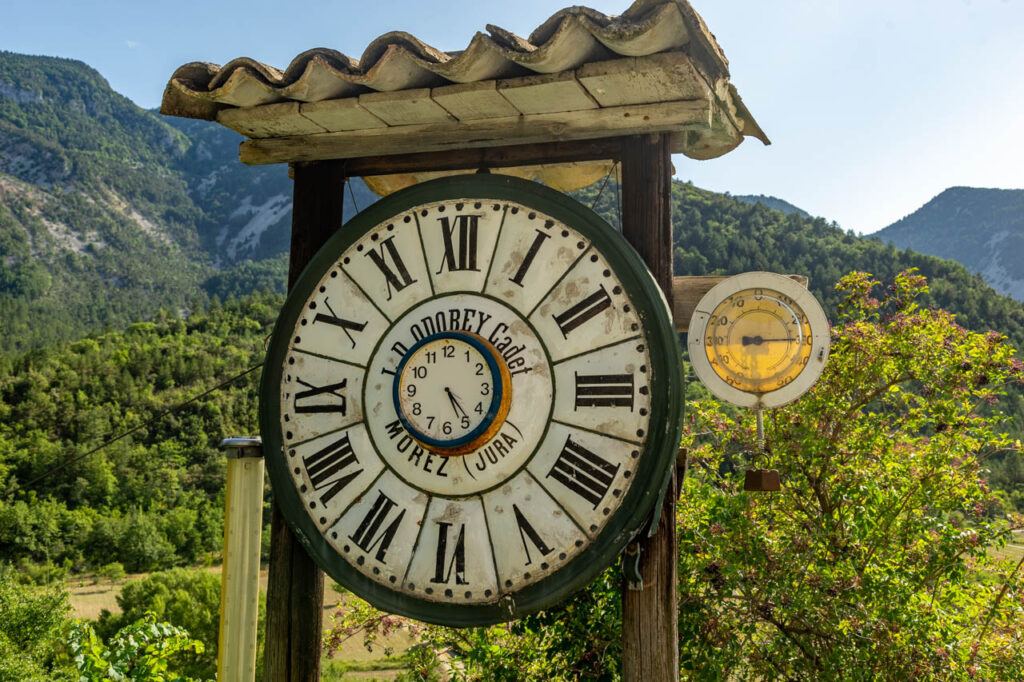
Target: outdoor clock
{"type": "Point", "coordinates": [758, 340]}
{"type": "Point", "coordinates": [471, 400]}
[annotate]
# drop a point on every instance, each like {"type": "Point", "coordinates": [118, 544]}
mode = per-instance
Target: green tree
{"type": "Point", "coordinates": [874, 560]}
{"type": "Point", "coordinates": [140, 652]}
{"type": "Point", "coordinates": [33, 622]}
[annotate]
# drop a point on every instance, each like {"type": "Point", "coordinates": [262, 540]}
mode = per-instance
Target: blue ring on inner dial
{"type": "Point", "coordinates": [496, 394]}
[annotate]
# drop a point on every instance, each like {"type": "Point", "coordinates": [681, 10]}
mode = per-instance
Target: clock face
{"type": "Point", "coordinates": [471, 400]}
{"type": "Point", "coordinates": [758, 339]}
{"type": "Point", "coordinates": [452, 392]}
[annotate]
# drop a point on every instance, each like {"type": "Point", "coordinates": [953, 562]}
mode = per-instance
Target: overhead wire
{"type": "Point", "coordinates": [160, 415]}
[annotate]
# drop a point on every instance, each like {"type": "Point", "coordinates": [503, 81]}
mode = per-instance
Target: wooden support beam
{"type": "Point", "coordinates": [650, 642]}
{"type": "Point", "coordinates": [486, 157]}
{"type": "Point", "coordinates": [491, 132]}
{"type": "Point", "coordinates": [295, 584]}
{"type": "Point", "coordinates": [687, 292]}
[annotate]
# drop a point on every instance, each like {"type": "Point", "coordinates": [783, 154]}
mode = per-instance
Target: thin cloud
{"type": "Point", "coordinates": [132, 44]}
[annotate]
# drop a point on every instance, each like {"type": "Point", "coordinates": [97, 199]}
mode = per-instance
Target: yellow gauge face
{"type": "Point", "coordinates": [758, 340]}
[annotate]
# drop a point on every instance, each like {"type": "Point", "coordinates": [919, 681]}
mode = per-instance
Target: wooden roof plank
{"type": "Point", "coordinates": [341, 114]}
{"type": "Point", "coordinates": [641, 80]}
{"type": "Point", "coordinates": [471, 101]}
{"type": "Point", "coordinates": [512, 130]}
{"type": "Point", "coordinates": [546, 94]}
{"type": "Point", "coordinates": [405, 107]}
{"type": "Point", "coordinates": [269, 120]}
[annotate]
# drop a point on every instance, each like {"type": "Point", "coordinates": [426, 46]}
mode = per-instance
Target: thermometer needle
{"type": "Point", "coordinates": [757, 340]}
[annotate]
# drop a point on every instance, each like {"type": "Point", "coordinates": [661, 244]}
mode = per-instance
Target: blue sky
{"type": "Point", "coordinates": [873, 107]}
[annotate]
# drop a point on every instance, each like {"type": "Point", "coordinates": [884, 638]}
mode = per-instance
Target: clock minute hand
{"type": "Point", "coordinates": [455, 403]}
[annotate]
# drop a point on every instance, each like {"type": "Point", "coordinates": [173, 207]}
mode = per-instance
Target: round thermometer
{"type": "Point", "coordinates": [758, 340]}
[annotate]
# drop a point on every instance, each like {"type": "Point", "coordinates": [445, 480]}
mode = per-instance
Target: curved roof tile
{"type": "Point", "coordinates": [569, 42]}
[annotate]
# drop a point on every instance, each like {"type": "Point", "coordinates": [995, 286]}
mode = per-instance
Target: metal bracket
{"type": "Point", "coordinates": [631, 567]}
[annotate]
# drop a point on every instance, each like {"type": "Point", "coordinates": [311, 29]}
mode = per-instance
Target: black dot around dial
{"type": "Point", "coordinates": [549, 223]}
{"type": "Point", "coordinates": [391, 578]}
{"type": "Point", "coordinates": [361, 560]}
{"type": "Point", "coordinates": [487, 593]}
{"type": "Point", "coordinates": [515, 210]}
{"type": "Point", "coordinates": [374, 237]}
{"type": "Point", "coordinates": [477, 205]}
{"type": "Point", "coordinates": [508, 583]}
{"type": "Point", "coordinates": [376, 571]}
{"type": "Point", "coordinates": [429, 590]}
{"type": "Point", "coordinates": [532, 216]}
{"type": "Point", "coordinates": [440, 209]}
{"type": "Point", "coordinates": [447, 593]}
{"type": "Point", "coordinates": [346, 548]}
{"type": "Point", "coordinates": [458, 206]}
{"type": "Point", "coordinates": [469, 594]}
{"type": "Point", "coordinates": [322, 520]}
{"type": "Point", "coordinates": [561, 556]}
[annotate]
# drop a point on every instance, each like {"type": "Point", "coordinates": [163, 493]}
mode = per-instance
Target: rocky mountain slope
{"type": "Point", "coordinates": [109, 212]}
{"type": "Point", "coordinates": [981, 228]}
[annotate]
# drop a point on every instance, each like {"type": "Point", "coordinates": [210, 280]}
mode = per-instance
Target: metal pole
{"type": "Point", "coordinates": [240, 571]}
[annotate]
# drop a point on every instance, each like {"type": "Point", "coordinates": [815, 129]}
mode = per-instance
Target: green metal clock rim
{"type": "Point", "coordinates": [666, 395]}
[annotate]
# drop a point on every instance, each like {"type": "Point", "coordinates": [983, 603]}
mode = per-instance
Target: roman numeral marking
{"type": "Point", "coordinates": [396, 281]}
{"type": "Point", "coordinates": [464, 258]}
{"type": "Point", "coordinates": [585, 473]}
{"type": "Point", "coordinates": [530, 255]}
{"type": "Point", "coordinates": [369, 534]}
{"type": "Point", "coordinates": [346, 326]}
{"type": "Point", "coordinates": [458, 561]}
{"type": "Point", "coordinates": [323, 467]}
{"type": "Point", "coordinates": [604, 390]}
{"type": "Point", "coordinates": [325, 391]}
{"type": "Point", "coordinates": [526, 532]}
{"type": "Point", "coordinates": [583, 311]}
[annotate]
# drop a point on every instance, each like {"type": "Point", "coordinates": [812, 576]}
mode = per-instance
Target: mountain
{"type": "Point", "coordinates": [981, 228]}
{"type": "Point", "coordinates": [109, 212]}
{"type": "Point", "coordinates": [773, 203]}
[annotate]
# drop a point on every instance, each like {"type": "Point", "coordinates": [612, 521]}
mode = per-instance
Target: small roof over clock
{"type": "Point", "coordinates": [580, 75]}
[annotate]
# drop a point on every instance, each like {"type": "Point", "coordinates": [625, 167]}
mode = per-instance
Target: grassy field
{"type": "Point", "coordinates": [1014, 548]}
{"type": "Point", "coordinates": [90, 595]}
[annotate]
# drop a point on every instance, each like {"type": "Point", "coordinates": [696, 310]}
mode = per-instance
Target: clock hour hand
{"type": "Point", "coordinates": [455, 403]}
{"type": "Point", "coordinates": [757, 340]}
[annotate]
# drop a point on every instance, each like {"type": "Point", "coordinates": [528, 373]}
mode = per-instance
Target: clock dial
{"type": "Point", "coordinates": [758, 339]}
{"type": "Point", "coordinates": [452, 392]}
{"type": "Point", "coordinates": [470, 400]}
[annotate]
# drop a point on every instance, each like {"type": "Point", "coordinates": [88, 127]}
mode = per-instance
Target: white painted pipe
{"type": "Point", "coordinates": [240, 571]}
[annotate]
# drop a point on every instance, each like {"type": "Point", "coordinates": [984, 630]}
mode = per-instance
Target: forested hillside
{"type": "Point", "coordinates": [150, 500]}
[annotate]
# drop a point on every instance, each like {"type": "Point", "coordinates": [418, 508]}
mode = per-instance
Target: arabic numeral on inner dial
{"type": "Point", "coordinates": [410, 390]}
{"type": "Point", "coordinates": [419, 372]}
{"type": "Point", "coordinates": [449, 351]}
{"type": "Point", "coordinates": [479, 369]}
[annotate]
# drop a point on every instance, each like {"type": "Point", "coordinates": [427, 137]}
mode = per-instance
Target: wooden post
{"type": "Point", "coordinates": [295, 585]}
{"type": "Point", "coordinates": [650, 639]}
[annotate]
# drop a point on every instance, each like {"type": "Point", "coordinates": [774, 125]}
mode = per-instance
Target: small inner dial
{"type": "Point", "coordinates": [452, 392]}
{"type": "Point", "coordinates": [758, 340]}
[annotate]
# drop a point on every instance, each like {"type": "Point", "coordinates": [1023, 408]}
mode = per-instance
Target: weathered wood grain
{"type": "Point", "coordinates": [493, 132]}
{"type": "Point", "coordinates": [295, 584]}
{"type": "Point", "coordinates": [269, 120]}
{"type": "Point", "coordinates": [650, 642]}
{"type": "Point", "coordinates": [547, 93]}
{"type": "Point", "coordinates": [472, 101]}
{"type": "Point", "coordinates": [405, 107]}
{"type": "Point", "coordinates": [341, 114]}
{"type": "Point", "coordinates": [642, 80]}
